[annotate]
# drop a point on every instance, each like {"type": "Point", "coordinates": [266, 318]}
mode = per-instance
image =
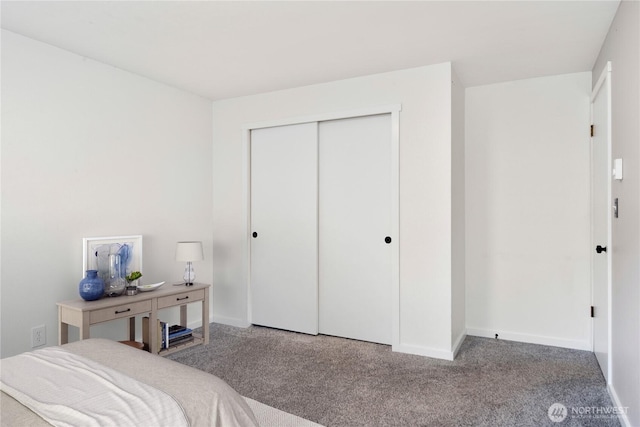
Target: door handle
{"type": "Point", "coordinates": [601, 249]}
{"type": "Point", "coordinates": [387, 240]}
{"type": "Point", "coordinates": [255, 234]}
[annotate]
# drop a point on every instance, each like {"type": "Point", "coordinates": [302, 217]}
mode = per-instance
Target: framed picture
{"type": "Point", "coordinates": [97, 250]}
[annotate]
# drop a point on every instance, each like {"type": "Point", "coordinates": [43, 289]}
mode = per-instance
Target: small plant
{"type": "Point", "coordinates": [135, 275]}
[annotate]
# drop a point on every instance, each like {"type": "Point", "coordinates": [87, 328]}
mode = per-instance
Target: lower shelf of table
{"type": "Point", "coordinates": [197, 340]}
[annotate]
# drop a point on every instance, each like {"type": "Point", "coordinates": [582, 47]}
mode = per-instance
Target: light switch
{"type": "Point", "coordinates": [617, 169]}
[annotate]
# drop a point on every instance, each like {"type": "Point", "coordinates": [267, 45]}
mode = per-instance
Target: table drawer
{"type": "Point", "coordinates": [182, 298]}
{"type": "Point", "coordinates": [124, 310]}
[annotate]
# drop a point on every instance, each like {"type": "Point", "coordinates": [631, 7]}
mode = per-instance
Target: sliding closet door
{"type": "Point", "coordinates": [355, 228]}
{"type": "Point", "coordinates": [284, 227]}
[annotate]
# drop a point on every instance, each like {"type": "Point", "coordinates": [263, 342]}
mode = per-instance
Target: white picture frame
{"type": "Point", "coordinates": [96, 250]}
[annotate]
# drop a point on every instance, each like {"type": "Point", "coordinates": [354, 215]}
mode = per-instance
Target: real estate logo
{"type": "Point", "coordinates": [557, 412]}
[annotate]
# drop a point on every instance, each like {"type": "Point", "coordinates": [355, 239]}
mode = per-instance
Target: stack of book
{"type": "Point", "coordinates": [177, 334]}
{"type": "Point", "coordinates": [168, 336]}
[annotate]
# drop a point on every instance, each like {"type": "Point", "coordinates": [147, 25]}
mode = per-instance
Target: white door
{"type": "Point", "coordinates": [355, 219]}
{"type": "Point", "coordinates": [284, 227]}
{"type": "Point", "coordinates": [601, 220]}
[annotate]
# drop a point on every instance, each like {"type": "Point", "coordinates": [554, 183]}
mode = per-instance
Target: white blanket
{"type": "Point", "coordinates": [70, 390]}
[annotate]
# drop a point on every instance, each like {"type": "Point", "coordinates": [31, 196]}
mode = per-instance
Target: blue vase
{"type": "Point", "coordinates": [91, 287]}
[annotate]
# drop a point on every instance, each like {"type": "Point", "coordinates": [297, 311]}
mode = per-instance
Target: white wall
{"type": "Point", "coordinates": [89, 150]}
{"type": "Point", "coordinates": [458, 256]}
{"type": "Point", "coordinates": [527, 207]}
{"type": "Point", "coordinates": [622, 48]}
{"type": "Point", "coordinates": [425, 191]}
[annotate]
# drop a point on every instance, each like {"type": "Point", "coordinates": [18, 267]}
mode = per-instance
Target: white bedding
{"type": "Point", "coordinates": [70, 390]}
{"type": "Point", "coordinates": [207, 400]}
{"type": "Point", "coordinates": [271, 417]}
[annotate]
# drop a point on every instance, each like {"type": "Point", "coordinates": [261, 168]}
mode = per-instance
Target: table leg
{"type": "Point", "coordinates": [154, 345]}
{"type": "Point", "coordinates": [63, 329]}
{"type": "Point", "coordinates": [132, 329]}
{"type": "Point", "coordinates": [205, 316]}
{"type": "Point", "coordinates": [86, 326]}
{"type": "Point", "coordinates": [183, 315]}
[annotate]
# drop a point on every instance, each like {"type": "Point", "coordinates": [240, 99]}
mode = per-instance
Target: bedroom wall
{"type": "Point", "coordinates": [458, 256]}
{"type": "Point", "coordinates": [527, 206]}
{"type": "Point", "coordinates": [425, 191]}
{"type": "Point", "coordinates": [89, 150]}
{"type": "Point", "coordinates": [622, 48]}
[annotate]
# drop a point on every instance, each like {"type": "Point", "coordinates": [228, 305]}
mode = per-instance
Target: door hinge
{"type": "Point", "coordinates": [593, 311]}
{"type": "Point", "coordinates": [592, 130]}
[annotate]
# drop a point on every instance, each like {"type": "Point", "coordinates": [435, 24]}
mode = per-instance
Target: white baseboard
{"type": "Point", "coordinates": [231, 321]}
{"type": "Point", "coordinates": [532, 339]}
{"type": "Point", "coordinates": [458, 343]}
{"type": "Point", "coordinates": [622, 417]}
{"type": "Point", "coordinates": [436, 353]}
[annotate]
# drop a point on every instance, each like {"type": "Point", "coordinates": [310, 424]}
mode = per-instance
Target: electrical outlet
{"type": "Point", "coordinates": [38, 336]}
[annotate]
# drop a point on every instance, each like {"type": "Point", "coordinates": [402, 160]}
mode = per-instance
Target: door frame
{"type": "Point", "coordinates": [603, 81]}
{"type": "Point", "coordinates": [394, 110]}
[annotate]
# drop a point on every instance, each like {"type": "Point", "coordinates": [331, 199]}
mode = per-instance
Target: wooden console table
{"type": "Point", "coordinates": [83, 314]}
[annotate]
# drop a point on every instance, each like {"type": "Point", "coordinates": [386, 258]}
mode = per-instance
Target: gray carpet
{"type": "Point", "coordinates": [340, 382]}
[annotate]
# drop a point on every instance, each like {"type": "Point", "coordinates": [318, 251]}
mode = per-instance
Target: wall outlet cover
{"type": "Point", "coordinates": [38, 336]}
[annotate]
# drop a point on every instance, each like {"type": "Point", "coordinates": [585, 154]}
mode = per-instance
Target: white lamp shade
{"type": "Point", "coordinates": [189, 251]}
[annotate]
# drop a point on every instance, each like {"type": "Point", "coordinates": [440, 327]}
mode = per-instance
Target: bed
{"type": "Point", "coordinates": [200, 399]}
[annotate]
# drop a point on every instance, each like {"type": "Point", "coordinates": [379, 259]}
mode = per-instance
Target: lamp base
{"type": "Point", "coordinates": [189, 274]}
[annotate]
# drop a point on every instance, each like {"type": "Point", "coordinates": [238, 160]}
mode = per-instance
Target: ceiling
{"type": "Point", "coordinates": [224, 49]}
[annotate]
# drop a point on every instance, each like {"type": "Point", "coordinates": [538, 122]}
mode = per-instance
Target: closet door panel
{"type": "Point", "coordinates": [284, 221]}
{"type": "Point", "coordinates": [354, 218]}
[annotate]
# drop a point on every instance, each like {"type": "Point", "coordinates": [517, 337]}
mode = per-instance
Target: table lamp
{"type": "Point", "coordinates": [189, 252]}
